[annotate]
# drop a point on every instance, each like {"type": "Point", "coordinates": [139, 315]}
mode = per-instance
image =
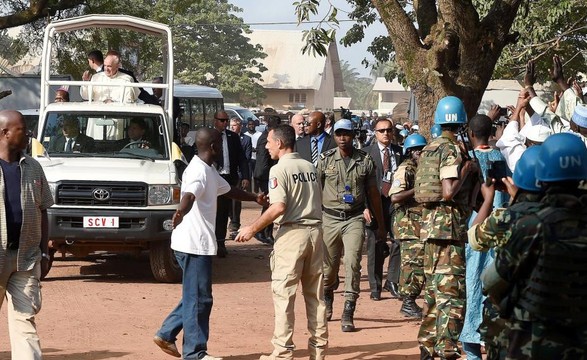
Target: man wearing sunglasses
{"type": "Point", "coordinates": [232, 161]}
{"type": "Point", "coordinates": [387, 157]}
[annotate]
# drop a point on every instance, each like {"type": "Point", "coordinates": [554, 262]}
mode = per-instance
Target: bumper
{"type": "Point", "coordinates": [135, 227]}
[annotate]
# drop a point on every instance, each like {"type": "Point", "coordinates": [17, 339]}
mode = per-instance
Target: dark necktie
{"type": "Point", "coordinates": [69, 145]}
{"type": "Point", "coordinates": [314, 151]}
{"type": "Point", "coordinates": [385, 185]}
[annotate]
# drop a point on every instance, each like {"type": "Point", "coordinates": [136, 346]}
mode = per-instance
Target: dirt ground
{"type": "Point", "coordinates": [109, 307]}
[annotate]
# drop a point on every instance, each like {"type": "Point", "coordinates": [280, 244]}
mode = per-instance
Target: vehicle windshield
{"type": "Point", "coordinates": [246, 114]}
{"type": "Point", "coordinates": [101, 134]}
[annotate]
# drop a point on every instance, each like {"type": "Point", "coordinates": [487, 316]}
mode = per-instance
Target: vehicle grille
{"type": "Point", "coordinates": [84, 194]}
{"type": "Point", "coordinates": [78, 222]}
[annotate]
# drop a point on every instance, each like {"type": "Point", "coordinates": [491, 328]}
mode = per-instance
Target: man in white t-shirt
{"type": "Point", "coordinates": [194, 243]}
{"type": "Point", "coordinates": [255, 135]}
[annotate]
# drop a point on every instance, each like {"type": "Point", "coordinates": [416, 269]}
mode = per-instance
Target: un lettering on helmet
{"type": "Point", "coordinates": [451, 117]}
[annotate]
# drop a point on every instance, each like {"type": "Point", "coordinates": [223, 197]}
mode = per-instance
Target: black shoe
{"type": "Point", "coordinates": [411, 309]}
{"type": "Point", "coordinates": [270, 240]}
{"type": "Point", "coordinates": [393, 289]}
{"type": "Point", "coordinates": [259, 236]}
{"type": "Point", "coordinates": [425, 355]}
{"type": "Point", "coordinates": [328, 300]}
{"type": "Point", "coordinates": [347, 318]}
{"type": "Point", "coordinates": [375, 295]}
{"type": "Point", "coordinates": [222, 252]}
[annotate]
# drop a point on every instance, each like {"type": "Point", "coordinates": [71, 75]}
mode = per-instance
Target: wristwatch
{"type": "Point", "coordinates": [46, 256]}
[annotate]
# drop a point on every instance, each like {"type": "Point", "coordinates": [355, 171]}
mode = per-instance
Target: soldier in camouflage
{"type": "Point", "coordinates": [492, 230]}
{"type": "Point", "coordinates": [446, 186]}
{"type": "Point", "coordinates": [542, 269]}
{"type": "Point", "coordinates": [406, 228]}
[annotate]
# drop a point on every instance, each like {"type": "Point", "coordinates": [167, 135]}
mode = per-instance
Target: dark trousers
{"type": "Point", "coordinates": [264, 187]}
{"type": "Point", "coordinates": [223, 210]}
{"type": "Point", "coordinates": [377, 252]}
{"type": "Point", "coordinates": [235, 215]}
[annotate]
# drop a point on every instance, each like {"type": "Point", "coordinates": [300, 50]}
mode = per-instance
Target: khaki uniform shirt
{"type": "Point", "coordinates": [35, 196]}
{"type": "Point", "coordinates": [336, 178]}
{"type": "Point", "coordinates": [294, 182]}
{"type": "Point", "coordinates": [408, 215]}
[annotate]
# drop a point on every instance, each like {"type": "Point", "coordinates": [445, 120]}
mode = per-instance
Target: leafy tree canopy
{"type": "Point", "coordinates": [454, 47]}
{"type": "Point", "coordinates": [210, 45]}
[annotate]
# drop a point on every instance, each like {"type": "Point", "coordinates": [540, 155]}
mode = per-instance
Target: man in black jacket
{"type": "Point", "coordinates": [316, 140]}
{"type": "Point", "coordinates": [233, 161]}
{"type": "Point", "coordinates": [387, 157]}
{"type": "Point", "coordinates": [261, 175]}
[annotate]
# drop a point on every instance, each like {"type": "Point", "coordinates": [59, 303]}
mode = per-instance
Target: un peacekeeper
{"type": "Point", "coordinates": [545, 260]}
{"type": "Point", "coordinates": [298, 253]}
{"type": "Point", "coordinates": [493, 230]}
{"type": "Point", "coordinates": [446, 186]}
{"type": "Point", "coordinates": [406, 228]}
{"type": "Point", "coordinates": [348, 179]}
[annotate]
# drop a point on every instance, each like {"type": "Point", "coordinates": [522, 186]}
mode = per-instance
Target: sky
{"type": "Point", "coordinates": [271, 11]}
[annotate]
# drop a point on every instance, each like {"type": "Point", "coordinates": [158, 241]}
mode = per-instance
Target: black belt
{"type": "Point", "coordinates": [342, 214]}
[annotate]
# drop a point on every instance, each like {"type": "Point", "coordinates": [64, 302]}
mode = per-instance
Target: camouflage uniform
{"type": "Point", "coordinates": [444, 230]}
{"type": "Point", "coordinates": [495, 232]}
{"type": "Point", "coordinates": [407, 222]}
{"type": "Point", "coordinates": [541, 272]}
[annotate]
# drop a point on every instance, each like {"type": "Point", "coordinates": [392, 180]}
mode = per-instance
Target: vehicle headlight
{"type": "Point", "coordinates": [53, 189]}
{"type": "Point", "coordinates": [163, 194]}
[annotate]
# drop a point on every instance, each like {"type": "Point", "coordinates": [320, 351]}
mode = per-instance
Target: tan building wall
{"type": "Point", "coordinates": [279, 99]}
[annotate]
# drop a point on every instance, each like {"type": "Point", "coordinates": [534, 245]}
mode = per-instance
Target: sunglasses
{"type": "Point", "coordinates": [381, 131]}
{"type": "Point", "coordinates": [221, 119]}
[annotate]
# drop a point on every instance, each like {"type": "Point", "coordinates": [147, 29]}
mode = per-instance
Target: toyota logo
{"type": "Point", "coordinates": [101, 194]}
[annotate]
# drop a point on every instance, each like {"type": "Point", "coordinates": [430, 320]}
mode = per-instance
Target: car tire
{"type": "Point", "coordinates": [163, 264]}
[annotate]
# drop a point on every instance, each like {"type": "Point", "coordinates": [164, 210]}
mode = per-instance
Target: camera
{"type": "Point", "coordinates": [496, 169]}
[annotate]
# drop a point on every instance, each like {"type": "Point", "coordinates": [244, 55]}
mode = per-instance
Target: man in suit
{"type": "Point", "coordinates": [232, 162]}
{"type": "Point", "coordinates": [71, 140]}
{"type": "Point", "coordinates": [387, 157]}
{"type": "Point", "coordinates": [262, 166]}
{"type": "Point", "coordinates": [235, 214]}
{"type": "Point", "coordinates": [316, 140]}
{"type": "Point", "coordinates": [297, 123]}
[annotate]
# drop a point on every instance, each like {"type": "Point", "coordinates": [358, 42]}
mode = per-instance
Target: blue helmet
{"type": "Point", "coordinates": [525, 171]}
{"type": "Point", "coordinates": [404, 133]}
{"type": "Point", "coordinates": [435, 131]}
{"type": "Point", "coordinates": [562, 157]}
{"type": "Point", "coordinates": [450, 110]}
{"type": "Point", "coordinates": [413, 141]}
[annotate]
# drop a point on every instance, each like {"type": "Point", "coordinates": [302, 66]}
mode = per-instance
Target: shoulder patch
{"type": "Point", "coordinates": [396, 183]}
{"type": "Point", "coordinates": [273, 183]}
{"type": "Point", "coordinates": [327, 153]}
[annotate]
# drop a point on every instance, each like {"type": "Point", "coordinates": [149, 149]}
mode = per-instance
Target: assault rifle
{"type": "Point", "coordinates": [471, 156]}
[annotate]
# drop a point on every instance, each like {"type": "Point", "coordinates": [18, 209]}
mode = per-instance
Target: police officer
{"type": "Point", "coordinates": [348, 180]}
{"type": "Point", "coordinates": [445, 186]}
{"type": "Point", "coordinates": [295, 196]}
{"type": "Point", "coordinates": [406, 227]}
{"type": "Point", "coordinates": [545, 260]}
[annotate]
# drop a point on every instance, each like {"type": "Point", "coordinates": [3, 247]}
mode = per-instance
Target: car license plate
{"type": "Point", "coordinates": [101, 222]}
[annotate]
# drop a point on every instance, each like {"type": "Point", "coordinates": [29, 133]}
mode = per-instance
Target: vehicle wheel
{"type": "Point", "coordinates": [52, 257]}
{"type": "Point", "coordinates": [163, 264]}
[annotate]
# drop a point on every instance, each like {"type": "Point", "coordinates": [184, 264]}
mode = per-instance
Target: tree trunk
{"type": "Point", "coordinates": [457, 56]}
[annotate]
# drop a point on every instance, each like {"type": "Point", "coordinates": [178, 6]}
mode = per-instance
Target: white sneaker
{"type": "Point", "coordinates": [210, 357]}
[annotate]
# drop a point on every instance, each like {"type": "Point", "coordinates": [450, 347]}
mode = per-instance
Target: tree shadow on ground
{"type": "Point", "coordinates": [89, 355]}
{"type": "Point", "coordinates": [371, 351]}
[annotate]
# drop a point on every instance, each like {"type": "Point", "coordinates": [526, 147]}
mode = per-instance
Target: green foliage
{"type": "Point", "coordinates": [550, 27]}
{"type": "Point", "coordinates": [13, 49]}
{"type": "Point", "coordinates": [359, 89]}
{"type": "Point", "coordinates": [210, 46]}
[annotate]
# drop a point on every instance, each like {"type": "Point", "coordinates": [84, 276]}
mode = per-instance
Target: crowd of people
{"type": "Point", "coordinates": [482, 207]}
{"type": "Point", "coordinates": [485, 219]}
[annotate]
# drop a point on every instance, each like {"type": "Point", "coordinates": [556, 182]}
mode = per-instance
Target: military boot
{"type": "Point", "coordinates": [328, 300]}
{"type": "Point", "coordinates": [410, 308]}
{"type": "Point", "coordinates": [348, 314]}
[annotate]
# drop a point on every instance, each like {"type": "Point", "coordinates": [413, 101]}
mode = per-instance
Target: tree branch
{"type": "Point", "coordinates": [401, 29]}
{"type": "Point", "coordinates": [426, 15]}
{"type": "Point", "coordinates": [37, 9]}
{"type": "Point", "coordinates": [462, 17]}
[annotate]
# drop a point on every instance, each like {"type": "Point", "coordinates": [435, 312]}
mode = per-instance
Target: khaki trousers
{"type": "Point", "coordinates": [23, 292]}
{"type": "Point", "coordinates": [297, 256]}
{"type": "Point", "coordinates": [350, 235]}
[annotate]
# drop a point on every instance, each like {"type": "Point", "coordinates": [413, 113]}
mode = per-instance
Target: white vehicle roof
{"type": "Point", "coordinates": [196, 91]}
